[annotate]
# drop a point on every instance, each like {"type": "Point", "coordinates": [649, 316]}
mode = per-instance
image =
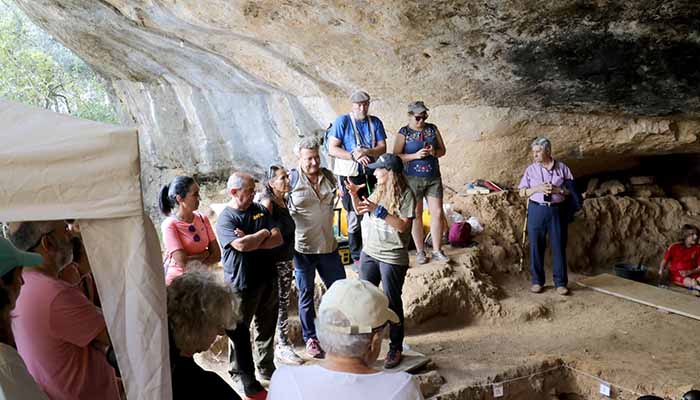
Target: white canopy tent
{"type": "Point", "coordinates": [58, 167]}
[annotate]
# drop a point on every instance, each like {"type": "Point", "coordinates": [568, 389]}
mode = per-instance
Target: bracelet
{"type": "Point", "coordinates": [381, 212]}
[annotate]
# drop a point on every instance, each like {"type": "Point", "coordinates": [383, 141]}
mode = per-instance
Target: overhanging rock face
{"type": "Point", "coordinates": [218, 85]}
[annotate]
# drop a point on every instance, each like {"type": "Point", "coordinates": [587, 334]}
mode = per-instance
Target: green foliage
{"type": "Point", "coordinates": [37, 70]}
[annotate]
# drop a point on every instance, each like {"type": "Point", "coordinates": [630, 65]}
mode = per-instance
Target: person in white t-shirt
{"type": "Point", "coordinates": [352, 318]}
{"type": "Point", "coordinates": [15, 381]}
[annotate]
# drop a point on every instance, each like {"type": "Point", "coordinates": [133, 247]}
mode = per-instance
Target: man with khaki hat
{"type": "Point", "coordinates": [352, 318]}
{"type": "Point", "coordinates": [356, 139]}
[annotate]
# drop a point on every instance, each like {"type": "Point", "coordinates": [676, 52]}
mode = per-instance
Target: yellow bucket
{"type": "Point", "coordinates": [341, 214]}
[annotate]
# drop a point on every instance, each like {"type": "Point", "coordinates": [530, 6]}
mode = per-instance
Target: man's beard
{"type": "Point", "coordinates": [360, 116]}
{"type": "Point", "coordinates": [63, 257]}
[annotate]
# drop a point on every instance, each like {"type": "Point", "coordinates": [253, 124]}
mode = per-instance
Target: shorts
{"type": "Point", "coordinates": [678, 279]}
{"type": "Point", "coordinates": [425, 186]}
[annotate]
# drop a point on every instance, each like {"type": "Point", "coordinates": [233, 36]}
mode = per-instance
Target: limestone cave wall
{"type": "Point", "coordinates": [218, 85]}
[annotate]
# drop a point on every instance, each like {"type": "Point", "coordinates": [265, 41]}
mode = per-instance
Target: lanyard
{"type": "Point", "coordinates": [551, 175]}
{"type": "Point", "coordinates": [358, 138]}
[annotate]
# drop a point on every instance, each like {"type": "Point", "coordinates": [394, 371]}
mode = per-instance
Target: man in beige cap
{"type": "Point", "coordinates": [356, 139]}
{"type": "Point", "coordinates": [352, 318]}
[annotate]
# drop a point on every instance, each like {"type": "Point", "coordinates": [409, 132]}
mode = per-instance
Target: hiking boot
{"type": "Point", "coordinates": [440, 256]}
{"type": "Point", "coordinates": [261, 395]}
{"type": "Point", "coordinates": [536, 288]}
{"type": "Point", "coordinates": [393, 358]}
{"type": "Point", "coordinates": [313, 349]}
{"type": "Point", "coordinates": [286, 354]}
{"type": "Point", "coordinates": [420, 258]}
{"type": "Point", "coordinates": [563, 290]}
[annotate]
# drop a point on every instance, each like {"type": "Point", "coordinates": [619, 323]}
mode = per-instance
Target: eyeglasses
{"type": "Point", "coordinates": [192, 228]}
{"type": "Point", "coordinates": [420, 117]}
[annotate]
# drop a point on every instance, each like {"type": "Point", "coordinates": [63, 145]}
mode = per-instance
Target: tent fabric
{"type": "Point", "coordinates": [55, 165]}
{"type": "Point", "coordinates": [58, 167]}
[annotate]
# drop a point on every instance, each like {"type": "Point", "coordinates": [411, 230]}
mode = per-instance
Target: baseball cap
{"type": "Point", "coordinates": [362, 303]}
{"type": "Point", "coordinates": [359, 96]}
{"type": "Point", "coordinates": [389, 161]}
{"type": "Point", "coordinates": [11, 257]}
{"type": "Point", "coordinates": [417, 107]}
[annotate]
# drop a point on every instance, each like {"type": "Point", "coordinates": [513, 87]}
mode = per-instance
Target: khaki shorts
{"type": "Point", "coordinates": [422, 187]}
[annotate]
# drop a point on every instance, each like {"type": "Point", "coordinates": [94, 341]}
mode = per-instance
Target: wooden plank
{"type": "Point", "coordinates": [663, 299]}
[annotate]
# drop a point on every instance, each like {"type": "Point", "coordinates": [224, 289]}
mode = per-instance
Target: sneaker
{"type": "Point", "coordinates": [286, 354]}
{"type": "Point", "coordinates": [261, 395]}
{"type": "Point", "coordinates": [313, 349]}
{"type": "Point", "coordinates": [563, 290]}
{"type": "Point", "coordinates": [420, 257]}
{"type": "Point", "coordinates": [440, 256]}
{"type": "Point", "coordinates": [393, 358]}
{"type": "Point", "coordinates": [536, 288]}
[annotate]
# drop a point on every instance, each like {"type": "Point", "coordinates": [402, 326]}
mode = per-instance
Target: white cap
{"type": "Point", "coordinates": [363, 304]}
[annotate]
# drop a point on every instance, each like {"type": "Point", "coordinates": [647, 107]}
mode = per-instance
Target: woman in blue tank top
{"type": "Point", "coordinates": [419, 144]}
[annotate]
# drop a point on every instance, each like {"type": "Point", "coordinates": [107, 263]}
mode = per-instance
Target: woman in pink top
{"type": "Point", "coordinates": [187, 234]}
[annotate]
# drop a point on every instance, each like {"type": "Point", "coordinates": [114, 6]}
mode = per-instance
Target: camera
{"type": "Point", "coordinates": [547, 198]}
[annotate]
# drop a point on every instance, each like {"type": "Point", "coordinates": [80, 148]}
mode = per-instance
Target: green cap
{"type": "Point", "coordinates": [11, 258]}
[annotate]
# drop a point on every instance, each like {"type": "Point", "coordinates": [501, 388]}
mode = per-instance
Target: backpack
{"type": "Point", "coordinates": [460, 234]}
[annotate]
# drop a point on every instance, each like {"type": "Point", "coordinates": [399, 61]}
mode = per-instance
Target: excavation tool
{"type": "Point", "coordinates": [522, 244]}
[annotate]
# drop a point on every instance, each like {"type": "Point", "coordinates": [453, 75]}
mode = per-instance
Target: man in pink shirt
{"type": "Point", "coordinates": [544, 184]}
{"type": "Point", "coordinates": [60, 334]}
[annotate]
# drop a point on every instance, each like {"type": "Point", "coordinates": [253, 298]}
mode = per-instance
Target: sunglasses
{"type": "Point", "coordinates": [196, 237]}
{"type": "Point", "coordinates": [420, 117]}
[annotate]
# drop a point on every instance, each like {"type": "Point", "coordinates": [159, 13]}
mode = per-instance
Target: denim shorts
{"type": "Point", "coordinates": [425, 186]}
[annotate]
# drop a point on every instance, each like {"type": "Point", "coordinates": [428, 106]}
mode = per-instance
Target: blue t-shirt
{"type": "Point", "coordinates": [342, 130]}
{"type": "Point", "coordinates": [427, 167]}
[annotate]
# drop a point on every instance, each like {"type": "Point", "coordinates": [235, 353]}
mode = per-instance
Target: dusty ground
{"type": "Point", "coordinates": [632, 346]}
{"type": "Point", "coordinates": [477, 321]}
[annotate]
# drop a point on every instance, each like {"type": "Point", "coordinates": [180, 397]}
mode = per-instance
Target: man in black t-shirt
{"type": "Point", "coordinates": [246, 235]}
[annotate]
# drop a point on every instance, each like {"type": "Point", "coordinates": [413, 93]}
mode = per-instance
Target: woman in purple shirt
{"type": "Point", "coordinates": [543, 185]}
{"type": "Point", "coordinates": [419, 144]}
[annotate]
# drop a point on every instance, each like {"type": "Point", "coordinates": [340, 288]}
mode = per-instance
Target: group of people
{"type": "Point", "coordinates": [55, 343]}
{"type": "Point", "coordinates": [288, 231]}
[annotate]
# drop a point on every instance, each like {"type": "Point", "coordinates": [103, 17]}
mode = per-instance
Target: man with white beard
{"type": "Point", "coordinates": [59, 333]}
{"type": "Point", "coordinates": [356, 140]}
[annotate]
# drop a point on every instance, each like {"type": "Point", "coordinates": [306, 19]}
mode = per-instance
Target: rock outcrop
{"type": "Point", "coordinates": [218, 85]}
{"type": "Point", "coordinates": [608, 229]}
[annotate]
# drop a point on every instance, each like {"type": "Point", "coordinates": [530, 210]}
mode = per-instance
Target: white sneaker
{"type": "Point", "coordinates": [286, 354]}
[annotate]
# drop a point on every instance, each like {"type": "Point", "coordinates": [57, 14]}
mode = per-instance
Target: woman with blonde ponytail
{"type": "Point", "coordinates": [386, 233]}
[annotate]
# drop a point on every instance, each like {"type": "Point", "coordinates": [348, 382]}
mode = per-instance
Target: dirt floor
{"type": "Point", "coordinates": [634, 347]}
{"type": "Point", "coordinates": [478, 322]}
